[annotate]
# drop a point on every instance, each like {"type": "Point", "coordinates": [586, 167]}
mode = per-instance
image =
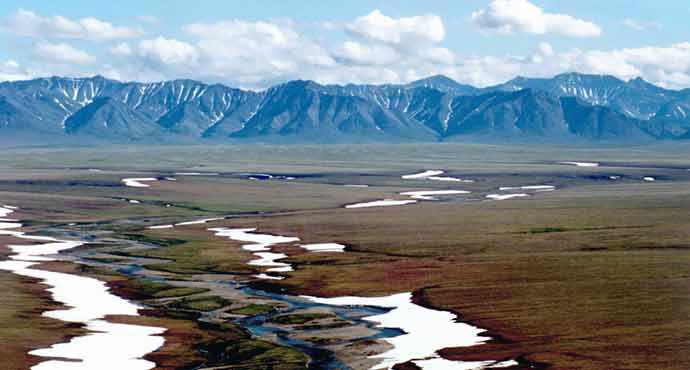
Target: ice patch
{"type": "Point", "coordinates": [260, 246]}
{"type": "Point", "coordinates": [138, 182]}
{"type": "Point", "coordinates": [324, 247]}
{"type": "Point", "coordinates": [5, 210]}
{"type": "Point", "coordinates": [529, 187]}
{"type": "Point", "coordinates": [448, 178]}
{"type": "Point", "coordinates": [197, 222]}
{"type": "Point", "coordinates": [506, 196]}
{"type": "Point", "coordinates": [581, 164]}
{"type": "Point", "coordinates": [381, 203]}
{"type": "Point", "coordinates": [169, 226]}
{"type": "Point", "coordinates": [428, 194]}
{"type": "Point", "coordinates": [426, 331]}
{"type": "Point", "coordinates": [108, 346]}
{"type": "Point", "coordinates": [423, 175]}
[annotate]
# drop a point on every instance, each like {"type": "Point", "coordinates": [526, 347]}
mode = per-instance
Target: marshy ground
{"type": "Point", "coordinates": [592, 275]}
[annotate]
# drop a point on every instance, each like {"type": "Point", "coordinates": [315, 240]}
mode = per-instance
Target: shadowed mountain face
{"type": "Point", "coordinates": [565, 107]}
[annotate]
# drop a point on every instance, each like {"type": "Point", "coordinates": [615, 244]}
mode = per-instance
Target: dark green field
{"type": "Point", "coordinates": [594, 275]}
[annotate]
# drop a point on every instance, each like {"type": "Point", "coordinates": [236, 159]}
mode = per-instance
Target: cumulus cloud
{"type": "Point", "coordinates": [402, 31]}
{"type": "Point", "coordinates": [514, 16]}
{"type": "Point", "coordinates": [62, 53]}
{"type": "Point", "coordinates": [255, 52]}
{"type": "Point", "coordinates": [168, 51]}
{"type": "Point", "coordinates": [27, 23]}
{"type": "Point", "coordinates": [667, 66]}
{"type": "Point", "coordinates": [408, 41]}
{"type": "Point", "coordinates": [10, 70]}
{"type": "Point", "coordinates": [367, 54]}
{"type": "Point", "coordinates": [376, 49]}
{"type": "Point", "coordinates": [122, 49]}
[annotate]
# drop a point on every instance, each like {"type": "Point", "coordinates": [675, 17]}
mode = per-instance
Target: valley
{"type": "Point", "coordinates": [248, 256]}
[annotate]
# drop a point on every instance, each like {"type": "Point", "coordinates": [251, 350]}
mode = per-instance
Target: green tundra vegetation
{"type": "Point", "coordinates": [593, 275]}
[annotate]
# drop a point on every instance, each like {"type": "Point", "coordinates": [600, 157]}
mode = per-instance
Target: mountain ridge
{"type": "Point", "coordinates": [436, 108]}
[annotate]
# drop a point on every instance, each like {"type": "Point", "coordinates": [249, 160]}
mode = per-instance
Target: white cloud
{"type": "Point", "coordinates": [640, 25]}
{"type": "Point", "coordinates": [512, 16]}
{"type": "Point", "coordinates": [122, 49]}
{"type": "Point", "coordinates": [367, 54]}
{"type": "Point", "coordinates": [329, 25]}
{"type": "Point", "coordinates": [667, 66]}
{"type": "Point", "coordinates": [10, 70]}
{"type": "Point", "coordinates": [404, 31]}
{"type": "Point", "coordinates": [62, 53]}
{"type": "Point", "coordinates": [256, 52]}
{"type": "Point", "coordinates": [168, 51]}
{"type": "Point", "coordinates": [376, 49]}
{"type": "Point", "coordinates": [406, 41]}
{"type": "Point", "coordinates": [27, 23]}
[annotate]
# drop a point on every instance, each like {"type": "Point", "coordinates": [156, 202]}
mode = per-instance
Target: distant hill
{"type": "Point", "coordinates": [565, 107]}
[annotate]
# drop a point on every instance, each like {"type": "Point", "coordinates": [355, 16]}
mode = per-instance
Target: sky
{"type": "Point", "coordinates": [257, 44]}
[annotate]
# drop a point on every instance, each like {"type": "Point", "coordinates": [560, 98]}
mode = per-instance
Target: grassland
{"type": "Point", "coordinates": [592, 276]}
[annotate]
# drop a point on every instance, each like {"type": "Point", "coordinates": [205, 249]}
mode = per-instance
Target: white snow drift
{"type": "Point", "coordinates": [423, 175]}
{"type": "Point", "coordinates": [138, 182]}
{"type": "Point", "coordinates": [261, 247]}
{"type": "Point", "coordinates": [324, 247]}
{"type": "Point", "coordinates": [429, 194]}
{"type": "Point", "coordinates": [506, 196]}
{"type": "Point", "coordinates": [426, 331]}
{"type": "Point", "coordinates": [381, 203]}
{"type": "Point", "coordinates": [581, 164]}
{"type": "Point", "coordinates": [108, 346]}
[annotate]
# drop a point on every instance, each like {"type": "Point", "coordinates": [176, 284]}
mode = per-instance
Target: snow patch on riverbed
{"type": "Point", "coordinates": [434, 175]}
{"type": "Point", "coordinates": [581, 164]}
{"type": "Point", "coordinates": [261, 247]}
{"type": "Point", "coordinates": [506, 196]}
{"type": "Point", "coordinates": [324, 247]}
{"type": "Point", "coordinates": [5, 211]}
{"type": "Point", "coordinates": [197, 222]}
{"type": "Point", "coordinates": [423, 175]}
{"type": "Point", "coordinates": [443, 364]}
{"type": "Point", "coordinates": [169, 226]}
{"type": "Point", "coordinates": [426, 331]}
{"type": "Point", "coordinates": [186, 223]}
{"type": "Point", "coordinates": [415, 195]}
{"type": "Point", "coordinates": [428, 194]}
{"type": "Point", "coordinates": [138, 182]}
{"type": "Point", "coordinates": [448, 178]}
{"type": "Point", "coordinates": [110, 346]}
{"type": "Point", "coordinates": [381, 203]}
{"type": "Point", "coordinates": [528, 187]}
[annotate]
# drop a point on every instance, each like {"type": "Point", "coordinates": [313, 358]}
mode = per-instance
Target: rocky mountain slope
{"type": "Point", "coordinates": [565, 107]}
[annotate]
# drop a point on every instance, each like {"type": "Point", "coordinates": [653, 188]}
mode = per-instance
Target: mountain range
{"type": "Point", "coordinates": [566, 107]}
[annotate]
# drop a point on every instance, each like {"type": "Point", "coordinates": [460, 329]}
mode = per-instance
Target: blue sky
{"type": "Point", "coordinates": [255, 44]}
